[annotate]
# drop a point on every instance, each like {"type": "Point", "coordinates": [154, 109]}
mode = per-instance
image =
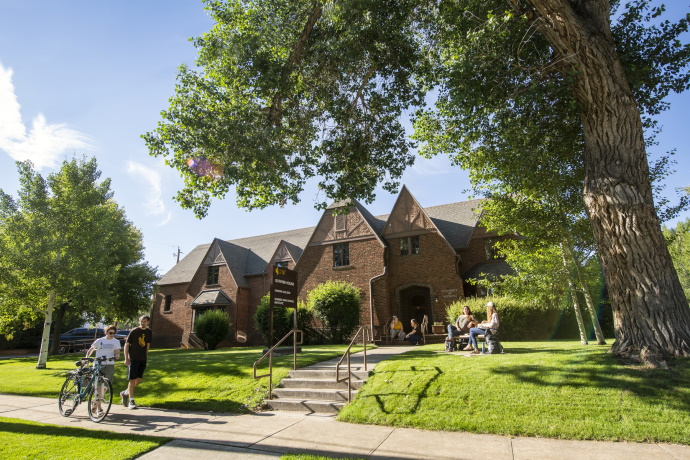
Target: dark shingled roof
{"type": "Point", "coordinates": [491, 269]}
{"type": "Point", "coordinates": [245, 256]}
{"type": "Point", "coordinates": [211, 297]}
{"type": "Point", "coordinates": [456, 221]}
{"type": "Point", "coordinates": [249, 256]}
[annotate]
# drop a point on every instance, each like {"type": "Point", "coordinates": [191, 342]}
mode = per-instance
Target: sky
{"type": "Point", "coordinates": [90, 77]}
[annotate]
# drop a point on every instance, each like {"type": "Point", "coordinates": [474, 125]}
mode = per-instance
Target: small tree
{"type": "Point", "coordinates": [336, 304]}
{"type": "Point", "coordinates": [282, 320]}
{"type": "Point", "coordinates": [212, 327]}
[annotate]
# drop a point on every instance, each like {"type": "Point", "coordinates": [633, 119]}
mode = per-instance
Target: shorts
{"type": "Point", "coordinates": [136, 370]}
{"type": "Point", "coordinates": [109, 371]}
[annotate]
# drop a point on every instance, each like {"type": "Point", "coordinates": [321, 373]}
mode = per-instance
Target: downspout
{"type": "Point", "coordinates": [371, 299]}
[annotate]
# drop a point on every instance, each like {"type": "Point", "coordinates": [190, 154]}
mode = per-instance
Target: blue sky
{"type": "Point", "coordinates": [89, 77]}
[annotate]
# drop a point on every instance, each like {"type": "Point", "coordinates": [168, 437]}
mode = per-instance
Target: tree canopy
{"type": "Point", "coordinates": [288, 90]}
{"type": "Point", "coordinates": [66, 244]}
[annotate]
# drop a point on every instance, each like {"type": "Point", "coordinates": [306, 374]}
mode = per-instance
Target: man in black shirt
{"type": "Point", "coordinates": [136, 353]}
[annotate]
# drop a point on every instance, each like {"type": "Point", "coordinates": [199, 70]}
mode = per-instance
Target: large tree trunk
{"type": "Point", "coordinates": [651, 315]}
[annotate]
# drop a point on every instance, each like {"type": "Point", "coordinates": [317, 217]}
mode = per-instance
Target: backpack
{"type": "Point", "coordinates": [491, 339]}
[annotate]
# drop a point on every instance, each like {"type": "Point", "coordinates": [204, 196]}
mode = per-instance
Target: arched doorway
{"type": "Point", "coordinates": [415, 302]}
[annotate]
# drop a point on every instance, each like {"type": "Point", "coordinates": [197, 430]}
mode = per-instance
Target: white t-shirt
{"type": "Point", "coordinates": [106, 347]}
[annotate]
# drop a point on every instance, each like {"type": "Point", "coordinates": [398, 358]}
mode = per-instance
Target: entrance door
{"type": "Point", "coordinates": [415, 302]}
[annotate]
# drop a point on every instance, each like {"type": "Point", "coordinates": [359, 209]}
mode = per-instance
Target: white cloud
{"type": "Point", "coordinates": [45, 143]}
{"type": "Point", "coordinates": [153, 197]}
{"type": "Point", "coordinates": [434, 166]}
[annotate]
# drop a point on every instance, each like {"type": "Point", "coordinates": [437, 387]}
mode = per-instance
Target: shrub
{"type": "Point", "coordinates": [521, 320]}
{"type": "Point", "coordinates": [212, 327]}
{"type": "Point", "coordinates": [282, 320]}
{"type": "Point", "coordinates": [336, 304]}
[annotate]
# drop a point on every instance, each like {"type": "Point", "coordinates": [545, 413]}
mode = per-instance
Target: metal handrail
{"type": "Point", "coordinates": [269, 353]}
{"type": "Point", "coordinates": [365, 332]}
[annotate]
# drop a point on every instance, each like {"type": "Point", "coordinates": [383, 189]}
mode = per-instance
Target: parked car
{"type": "Point", "coordinates": [78, 339]}
{"type": "Point", "coordinates": [122, 336]}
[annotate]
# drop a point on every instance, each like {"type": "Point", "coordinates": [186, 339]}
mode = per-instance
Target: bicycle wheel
{"type": "Point", "coordinates": [100, 399]}
{"type": "Point", "coordinates": [69, 396]}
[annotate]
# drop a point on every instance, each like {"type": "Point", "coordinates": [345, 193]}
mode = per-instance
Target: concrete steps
{"type": "Point", "coordinates": [315, 389]}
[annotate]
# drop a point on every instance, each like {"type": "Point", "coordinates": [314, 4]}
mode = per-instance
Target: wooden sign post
{"type": "Point", "coordinates": [283, 294]}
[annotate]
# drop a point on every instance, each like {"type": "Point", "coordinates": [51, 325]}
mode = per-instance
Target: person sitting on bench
{"type": "Point", "coordinates": [490, 323]}
{"type": "Point", "coordinates": [463, 323]}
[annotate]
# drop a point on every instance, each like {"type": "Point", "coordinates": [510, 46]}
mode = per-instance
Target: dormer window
{"type": "Point", "coordinates": [212, 276]}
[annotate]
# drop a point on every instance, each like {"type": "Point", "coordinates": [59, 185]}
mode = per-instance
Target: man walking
{"type": "Point", "coordinates": [136, 353]}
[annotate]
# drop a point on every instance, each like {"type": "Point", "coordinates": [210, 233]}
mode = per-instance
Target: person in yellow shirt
{"type": "Point", "coordinates": [396, 329]}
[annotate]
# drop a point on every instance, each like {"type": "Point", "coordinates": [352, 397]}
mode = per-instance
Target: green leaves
{"type": "Point", "coordinates": [291, 90]}
{"type": "Point", "coordinates": [65, 233]}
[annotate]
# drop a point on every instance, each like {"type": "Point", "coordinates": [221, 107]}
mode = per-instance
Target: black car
{"type": "Point", "coordinates": [79, 338]}
{"type": "Point", "coordinates": [122, 336]}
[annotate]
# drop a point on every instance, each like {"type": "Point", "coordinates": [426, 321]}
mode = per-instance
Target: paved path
{"type": "Point", "coordinates": [268, 435]}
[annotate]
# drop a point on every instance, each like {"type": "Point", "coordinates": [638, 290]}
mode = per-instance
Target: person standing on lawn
{"type": "Point", "coordinates": [136, 354]}
{"type": "Point", "coordinates": [107, 347]}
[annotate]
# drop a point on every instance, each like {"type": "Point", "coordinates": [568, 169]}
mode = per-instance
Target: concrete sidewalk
{"type": "Point", "coordinates": [268, 435]}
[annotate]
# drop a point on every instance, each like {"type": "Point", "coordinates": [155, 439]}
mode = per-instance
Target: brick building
{"type": "Point", "coordinates": [410, 263]}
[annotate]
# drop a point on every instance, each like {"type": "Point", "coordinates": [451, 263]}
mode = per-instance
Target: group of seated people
{"type": "Point", "coordinates": [466, 323]}
{"type": "Point", "coordinates": [397, 332]}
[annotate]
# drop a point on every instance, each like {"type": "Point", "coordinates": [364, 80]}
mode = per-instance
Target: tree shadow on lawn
{"type": "Point", "coordinates": [55, 430]}
{"type": "Point", "coordinates": [428, 376]}
{"type": "Point", "coordinates": [604, 371]}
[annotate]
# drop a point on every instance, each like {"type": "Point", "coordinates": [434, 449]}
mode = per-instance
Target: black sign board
{"type": "Point", "coordinates": [284, 288]}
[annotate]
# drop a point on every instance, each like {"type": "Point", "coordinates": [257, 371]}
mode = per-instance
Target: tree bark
{"type": "Point", "coordinates": [651, 315]}
{"type": "Point", "coordinates": [57, 322]}
{"type": "Point", "coordinates": [577, 269]}
{"type": "Point", "coordinates": [43, 354]}
{"type": "Point", "coordinates": [573, 295]}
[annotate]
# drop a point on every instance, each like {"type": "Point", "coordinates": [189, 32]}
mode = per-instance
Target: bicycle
{"type": "Point", "coordinates": [87, 384]}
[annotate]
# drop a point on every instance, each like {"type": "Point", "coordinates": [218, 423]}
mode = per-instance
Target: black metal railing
{"type": "Point", "coordinates": [366, 334]}
{"type": "Point", "coordinates": [269, 354]}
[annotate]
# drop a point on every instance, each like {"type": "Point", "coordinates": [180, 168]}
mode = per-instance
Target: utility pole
{"type": "Point", "coordinates": [178, 254]}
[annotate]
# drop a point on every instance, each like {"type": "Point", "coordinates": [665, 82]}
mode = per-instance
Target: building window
{"type": "Point", "coordinates": [409, 245]}
{"type": "Point", "coordinates": [282, 264]}
{"type": "Point", "coordinates": [492, 251]}
{"type": "Point", "coordinates": [341, 254]}
{"type": "Point", "coordinates": [168, 302]}
{"type": "Point", "coordinates": [212, 277]}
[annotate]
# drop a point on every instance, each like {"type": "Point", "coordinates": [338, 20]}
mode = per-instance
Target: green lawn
{"type": "Point", "coordinates": [552, 389]}
{"type": "Point", "coordinates": [546, 389]}
{"type": "Point", "coordinates": [220, 380]}
{"type": "Point", "coordinates": [22, 439]}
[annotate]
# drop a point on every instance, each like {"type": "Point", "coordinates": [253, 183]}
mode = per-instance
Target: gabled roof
{"type": "Point", "coordinates": [491, 269]}
{"type": "Point", "coordinates": [244, 256]}
{"type": "Point", "coordinates": [456, 221]}
{"type": "Point", "coordinates": [184, 271]}
{"type": "Point", "coordinates": [249, 256]}
{"type": "Point", "coordinates": [210, 298]}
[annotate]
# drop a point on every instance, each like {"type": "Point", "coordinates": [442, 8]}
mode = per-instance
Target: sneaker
{"type": "Point", "coordinates": [132, 404]}
{"type": "Point", "coordinates": [125, 398]}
